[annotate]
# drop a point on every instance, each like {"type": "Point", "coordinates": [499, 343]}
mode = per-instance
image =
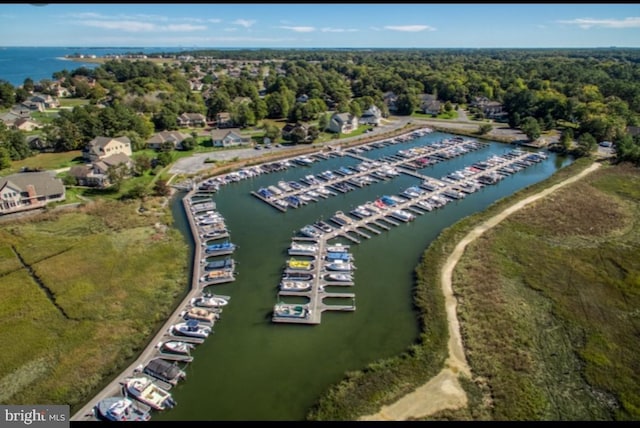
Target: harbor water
{"type": "Point", "coordinates": [253, 369]}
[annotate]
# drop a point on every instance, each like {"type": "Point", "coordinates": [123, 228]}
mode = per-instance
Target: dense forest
{"type": "Point", "coordinates": [591, 95]}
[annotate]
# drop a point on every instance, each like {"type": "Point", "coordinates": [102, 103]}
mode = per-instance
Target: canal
{"type": "Point", "coordinates": [253, 369]}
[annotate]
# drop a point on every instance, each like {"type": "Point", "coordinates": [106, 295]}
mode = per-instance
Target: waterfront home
{"type": "Point", "coordinates": [158, 140]}
{"type": "Point", "coordinates": [223, 120]}
{"type": "Point", "coordinates": [228, 138]}
{"type": "Point", "coordinates": [96, 174]}
{"type": "Point", "coordinates": [371, 116]}
{"type": "Point", "coordinates": [102, 147]}
{"type": "Point", "coordinates": [191, 120]}
{"type": "Point", "coordinates": [29, 190]}
{"type": "Point", "coordinates": [343, 123]}
{"type": "Point", "coordinates": [289, 129]}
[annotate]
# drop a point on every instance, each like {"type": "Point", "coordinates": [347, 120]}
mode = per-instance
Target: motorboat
{"type": "Point", "coordinates": [217, 277]}
{"type": "Point", "coordinates": [339, 255]}
{"type": "Point", "coordinates": [209, 301]}
{"type": "Point", "coordinates": [402, 215]}
{"type": "Point", "coordinates": [176, 347]}
{"type": "Point", "coordinates": [220, 249]}
{"type": "Point", "coordinates": [200, 314]}
{"type": "Point", "coordinates": [340, 277]}
{"type": "Point", "coordinates": [295, 285]}
{"type": "Point", "coordinates": [310, 232]}
{"type": "Point", "coordinates": [297, 276]}
{"type": "Point", "coordinates": [340, 266]}
{"type": "Point", "coordinates": [299, 264]}
{"type": "Point", "coordinates": [122, 409]}
{"type": "Point", "coordinates": [323, 226]}
{"type": "Point", "coordinates": [337, 248]}
{"type": "Point", "coordinates": [191, 328]}
{"type": "Point", "coordinates": [285, 310]}
{"type": "Point", "coordinates": [297, 248]}
{"type": "Point", "coordinates": [224, 264]}
{"type": "Point", "coordinates": [145, 390]}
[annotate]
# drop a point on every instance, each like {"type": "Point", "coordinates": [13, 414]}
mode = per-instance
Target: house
{"type": "Point", "coordinates": [36, 142]}
{"type": "Point", "coordinates": [371, 116]}
{"type": "Point", "coordinates": [228, 138]}
{"type": "Point", "coordinates": [191, 120]}
{"type": "Point", "coordinates": [223, 120]}
{"type": "Point", "coordinates": [97, 174]}
{"type": "Point", "coordinates": [490, 109]}
{"type": "Point", "coordinates": [302, 98]}
{"type": "Point", "coordinates": [174, 137]}
{"type": "Point", "coordinates": [29, 190]}
{"type": "Point", "coordinates": [46, 100]}
{"type": "Point", "coordinates": [26, 124]}
{"type": "Point", "coordinates": [431, 107]}
{"type": "Point", "coordinates": [390, 99]}
{"type": "Point", "coordinates": [342, 123]}
{"type": "Point", "coordinates": [289, 128]}
{"type": "Point", "coordinates": [101, 147]}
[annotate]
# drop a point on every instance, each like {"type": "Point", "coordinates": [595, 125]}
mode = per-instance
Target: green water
{"type": "Point", "coordinates": [253, 369]}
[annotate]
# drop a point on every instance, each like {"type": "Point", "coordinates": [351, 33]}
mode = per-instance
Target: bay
{"type": "Point", "coordinates": [253, 369]}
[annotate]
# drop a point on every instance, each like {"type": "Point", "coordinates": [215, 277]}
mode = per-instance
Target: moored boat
{"type": "Point", "coordinates": [164, 370]}
{"type": "Point", "coordinates": [191, 328]}
{"type": "Point", "coordinates": [285, 310]}
{"type": "Point", "coordinates": [220, 249]}
{"type": "Point", "coordinates": [340, 277]}
{"type": "Point", "coordinates": [176, 347]}
{"type": "Point", "coordinates": [295, 285]}
{"type": "Point", "coordinates": [122, 409]}
{"type": "Point", "coordinates": [201, 315]}
{"type": "Point", "coordinates": [340, 266]}
{"type": "Point", "coordinates": [209, 301]}
{"type": "Point", "coordinates": [143, 389]}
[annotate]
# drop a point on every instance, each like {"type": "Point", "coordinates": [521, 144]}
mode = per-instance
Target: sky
{"type": "Point", "coordinates": [318, 25]}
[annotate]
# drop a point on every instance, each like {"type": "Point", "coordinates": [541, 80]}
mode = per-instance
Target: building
{"type": "Point", "coordinates": [223, 120]}
{"type": "Point", "coordinates": [159, 139]}
{"type": "Point", "coordinates": [102, 147]}
{"type": "Point", "coordinates": [343, 123]}
{"type": "Point", "coordinates": [371, 116]}
{"type": "Point", "coordinates": [191, 120]}
{"type": "Point", "coordinates": [29, 190]}
{"type": "Point", "coordinates": [228, 138]}
{"type": "Point", "coordinates": [97, 174]}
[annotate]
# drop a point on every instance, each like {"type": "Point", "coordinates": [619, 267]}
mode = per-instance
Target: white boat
{"type": "Point", "coordinates": [297, 248]}
{"type": "Point", "coordinates": [122, 409]}
{"type": "Point", "coordinates": [295, 285]}
{"type": "Point", "coordinates": [340, 266]}
{"type": "Point", "coordinates": [207, 301]}
{"type": "Point", "coordinates": [176, 347]}
{"type": "Point", "coordinates": [191, 328]}
{"type": "Point", "coordinates": [143, 389]}
{"type": "Point", "coordinates": [402, 215]}
{"type": "Point", "coordinates": [200, 314]}
{"type": "Point", "coordinates": [337, 248]}
{"type": "Point", "coordinates": [340, 277]}
{"type": "Point", "coordinates": [285, 310]}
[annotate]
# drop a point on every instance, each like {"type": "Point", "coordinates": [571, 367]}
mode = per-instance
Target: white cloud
{"type": "Point", "coordinates": [338, 30]}
{"type": "Point", "coordinates": [214, 20]}
{"type": "Point", "coordinates": [230, 29]}
{"type": "Point", "coordinates": [138, 26]}
{"type": "Point", "coordinates": [299, 29]}
{"type": "Point", "coordinates": [375, 28]}
{"type": "Point", "coordinates": [246, 23]}
{"type": "Point", "coordinates": [630, 22]}
{"type": "Point", "coordinates": [409, 28]}
{"type": "Point", "coordinates": [184, 27]}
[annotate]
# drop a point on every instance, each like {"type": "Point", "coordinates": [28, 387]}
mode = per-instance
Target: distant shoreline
{"type": "Point", "coordinates": [102, 60]}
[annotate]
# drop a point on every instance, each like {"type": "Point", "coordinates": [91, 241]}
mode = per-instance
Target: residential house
{"type": "Point", "coordinates": [432, 107]}
{"type": "Point", "coordinates": [29, 190]}
{"type": "Point", "coordinates": [490, 109]}
{"type": "Point", "coordinates": [96, 174]}
{"type": "Point", "coordinates": [36, 142]}
{"type": "Point", "coordinates": [228, 138]}
{"type": "Point", "coordinates": [26, 124]}
{"type": "Point", "coordinates": [302, 98]}
{"type": "Point", "coordinates": [371, 116]}
{"type": "Point", "coordinates": [289, 128]}
{"type": "Point", "coordinates": [223, 120]}
{"type": "Point", "coordinates": [46, 100]}
{"type": "Point", "coordinates": [390, 99]}
{"type": "Point", "coordinates": [9, 118]}
{"type": "Point", "coordinates": [174, 137]}
{"type": "Point", "coordinates": [191, 120]}
{"type": "Point", "coordinates": [101, 147]}
{"type": "Point", "coordinates": [343, 123]}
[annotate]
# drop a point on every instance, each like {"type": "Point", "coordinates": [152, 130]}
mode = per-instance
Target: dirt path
{"type": "Point", "coordinates": [444, 392]}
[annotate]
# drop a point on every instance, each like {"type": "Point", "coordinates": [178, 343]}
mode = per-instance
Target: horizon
{"type": "Point", "coordinates": [322, 26]}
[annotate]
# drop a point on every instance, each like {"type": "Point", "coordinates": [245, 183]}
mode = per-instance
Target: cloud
{"type": "Point", "coordinates": [214, 20]}
{"type": "Point", "coordinates": [230, 29]}
{"type": "Point", "coordinates": [246, 23]}
{"type": "Point", "coordinates": [298, 29]}
{"type": "Point", "coordinates": [338, 30]}
{"type": "Point", "coordinates": [140, 27]}
{"type": "Point", "coordinates": [409, 28]}
{"type": "Point", "coordinates": [630, 22]}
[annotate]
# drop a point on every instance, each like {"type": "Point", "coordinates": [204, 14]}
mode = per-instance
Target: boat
{"type": "Point", "coordinates": [200, 314]}
{"type": "Point", "coordinates": [341, 277]}
{"type": "Point", "coordinates": [224, 264]}
{"type": "Point", "coordinates": [297, 248]}
{"type": "Point", "coordinates": [220, 249]}
{"type": "Point", "coordinates": [297, 276]}
{"type": "Point", "coordinates": [285, 310]}
{"type": "Point", "coordinates": [292, 200]}
{"type": "Point", "coordinates": [217, 277]}
{"type": "Point", "coordinates": [299, 264]}
{"type": "Point", "coordinates": [323, 226]}
{"type": "Point", "coordinates": [143, 389]}
{"type": "Point", "coordinates": [340, 266]}
{"type": "Point", "coordinates": [310, 232]}
{"type": "Point", "coordinates": [164, 370]}
{"type": "Point", "coordinates": [122, 409]}
{"type": "Point", "coordinates": [295, 285]}
{"type": "Point", "coordinates": [191, 328]}
{"type": "Point", "coordinates": [176, 347]}
{"type": "Point", "coordinates": [402, 215]}
{"type": "Point", "coordinates": [339, 255]}
{"type": "Point", "coordinates": [337, 248]}
{"type": "Point", "coordinates": [209, 301]}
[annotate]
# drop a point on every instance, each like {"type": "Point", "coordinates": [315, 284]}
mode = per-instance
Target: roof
{"type": "Point", "coordinates": [44, 182]}
{"type": "Point", "coordinates": [101, 142]}
{"type": "Point", "coordinates": [161, 137]}
{"type": "Point", "coordinates": [163, 368]}
{"type": "Point", "coordinates": [116, 159]}
{"type": "Point", "coordinates": [219, 134]}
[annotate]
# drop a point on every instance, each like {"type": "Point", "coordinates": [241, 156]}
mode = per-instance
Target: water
{"type": "Point", "coordinates": [253, 369]}
{"type": "Point", "coordinates": [18, 63]}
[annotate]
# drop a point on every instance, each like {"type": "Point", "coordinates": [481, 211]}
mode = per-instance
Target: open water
{"type": "Point", "coordinates": [253, 369]}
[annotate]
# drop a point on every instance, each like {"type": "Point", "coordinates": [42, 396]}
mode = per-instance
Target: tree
{"type": "Point", "coordinates": [116, 174]}
{"type": "Point", "coordinates": [160, 188]}
{"type": "Point", "coordinates": [485, 128]}
{"type": "Point", "coordinates": [323, 121]}
{"type": "Point", "coordinates": [312, 133]}
{"type": "Point", "coordinates": [142, 163]}
{"type": "Point", "coordinates": [272, 132]}
{"type": "Point", "coordinates": [586, 144]}
{"type": "Point", "coordinates": [5, 158]}
{"type": "Point", "coordinates": [566, 138]}
{"type": "Point", "coordinates": [188, 143]}
{"type": "Point", "coordinates": [165, 158]}
{"type": "Point", "coordinates": [28, 85]}
{"type": "Point", "coordinates": [298, 135]}
{"type": "Point", "coordinates": [165, 120]}
{"type": "Point", "coordinates": [530, 127]}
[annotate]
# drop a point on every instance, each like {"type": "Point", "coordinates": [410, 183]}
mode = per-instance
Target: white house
{"type": "Point", "coordinates": [228, 138]}
{"type": "Point", "coordinates": [29, 190]}
{"type": "Point", "coordinates": [174, 137]}
{"type": "Point", "coordinates": [343, 123]}
{"type": "Point", "coordinates": [371, 116]}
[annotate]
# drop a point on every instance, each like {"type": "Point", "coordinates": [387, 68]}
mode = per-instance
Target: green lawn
{"type": "Point", "coordinates": [46, 161]}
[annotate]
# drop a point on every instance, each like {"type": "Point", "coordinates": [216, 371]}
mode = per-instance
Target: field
{"type": "Point", "coordinates": [547, 303]}
{"type": "Point", "coordinates": [82, 293]}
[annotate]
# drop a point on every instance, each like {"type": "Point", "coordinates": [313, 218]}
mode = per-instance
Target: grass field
{"type": "Point", "coordinates": [46, 161]}
{"type": "Point", "coordinates": [82, 292]}
{"type": "Point", "coordinates": [548, 307]}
